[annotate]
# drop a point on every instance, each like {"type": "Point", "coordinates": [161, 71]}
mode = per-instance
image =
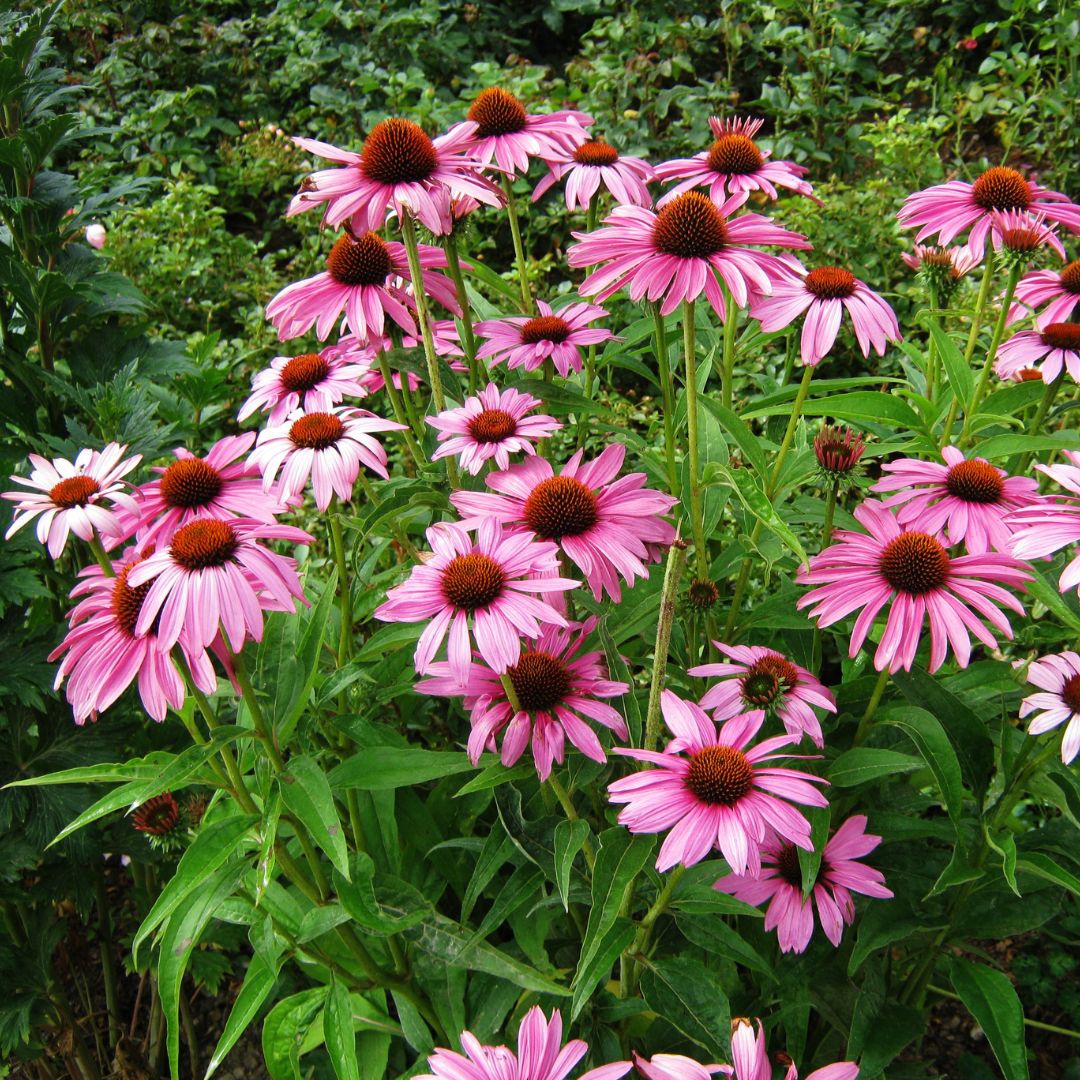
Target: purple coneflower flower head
{"type": "Point", "coordinates": [1049, 351]}
{"type": "Point", "coordinates": [1041, 530]}
{"type": "Point", "coordinates": [756, 681]}
{"type": "Point", "coordinates": [838, 450]}
{"type": "Point", "coordinates": [969, 499]}
{"type": "Point", "coordinates": [400, 170]}
{"type": "Point", "coordinates": [910, 571]}
{"type": "Point", "coordinates": [839, 875]}
{"type": "Point", "coordinates": [824, 294]}
{"type": "Point", "coordinates": [540, 1056]}
{"type": "Point", "coordinates": [1058, 680]}
{"type": "Point", "coordinates": [70, 496]}
{"type": "Point", "coordinates": [713, 790]}
{"type": "Point", "coordinates": [219, 485]}
{"type": "Point", "coordinates": [555, 688]}
{"type": "Point", "coordinates": [595, 163]}
{"type": "Point", "coordinates": [525, 341]}
{"type": "Point", "coordinates": [671, 255]}
{"type": "Point", "coordinates": [1019, 236]}
{"type": "Point", "coordinates": [1058, 289]}
{"type": "Point", "coordinates": [492, 425]}
{"type": "Point", "coordinates": [952, 262]}
{"type": "Point", "coordinates": [733, 167]}
{"type": "Point", "coordinates": [948, 210]}
{"type": "Point", "coordinates": [102, 654]}
{"type": "Point", "coordinates": [483, 583]}
{"type": "Point", "coordinates": [328, 447]}
{"type": "Point", "coordinates": [503, 132]}
{"type": "Point", "coordinates": [607, 527]}
{"type": "Point", "coordinates": [674, 1067]}
{"type": "Point", "coordinates": [751, 1059]}
{"type": "Point", "coordinates": [312, 381]}
{"type": "Point", "coordinates": [365, 280]}
{"type": "Point", "coordinates": [216, 575]}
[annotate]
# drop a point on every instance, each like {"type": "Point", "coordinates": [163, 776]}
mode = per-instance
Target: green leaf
{"type": "Point", "coordinates": [284, 1029]}
{"type": "Point", "coordinates": [861, 405]}
{"type": "Point", "coordinates": [379, 768]}
{"type": "Point", "coordinates": [929, 737]}
{"type": "Point", "coordinates": [308, 650]}
{"type": "Point", "coordinates": [715, 936]}
{"type": "Point", "coordinates": [864, 763]}
{"type": "Point", "coordinates": [209, 850]}
{"type": "Point", "coordinates": [961, 377]}
{"type": "Point", "coordinates": [497, 851]}
{"type": "Point", "coordinates": [1005, 846]}
{"type": "Point", "coordinates": [617, 939]}
{"type": "Point", "coordinates": [619, 672]}
{"type": "Point", "coordinates": [570, 837]}
{"type": "Point", "coordinates": [338, 1031]}
{"type": "Point", "coordinates": [321, 920]}
{"type": "Point", "coordinates": [990, 998]}
{"type": "Point", "coordinates": [740, 431]}
{"type": "Point", "coordinates": [689, 996]}
{"type": "Point", "coordinates": [1035, 862]}
{"type": "Point", "coordinates": [522, 886]}
{"type": "Point", "coordinates": [494, 775]}
{"type": "Point", "coordinates": [618, 863]}
{"type": "Point", "coordinates": [306, 792]}
{"type": "Point", "coordinates": [258, 982]}
{"type": "Point", "coordinates": [393, 907]}
{"type": "Point", "coordinates": [757, 503]}
{"type": "Point", "coordinates": [1003, 446]}
{"type": "Point", "coordinates": [882, 925]}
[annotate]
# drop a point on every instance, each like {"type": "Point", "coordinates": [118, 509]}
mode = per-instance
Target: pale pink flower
{"type": "Point", "coordinates": [1039, 531]}
{"type": "Point", "coordinates": [607, 527]}
{"type": "Point", "coordinates": [485, 582]}
{"type": "Point", "coordinates": [492, 425]}
{"type": "Point", "coordinates": [592, 164]}
{"type": "Point", "coordinates": [969, 499]}
{"type": "Point", "coordinates": [1021, 232]}
{"type": "Point", "coordinates": [734, 164]}
{"type": "Point", "coordinates": [315, 382]}
{"type": "Point", "coordinates": [506, 134]}
{"type": "Point", "coordinates": [675, 1067]}
{"type": "Point", "coordinates": [219, 485]}
{"type": "Point", "coordinates": [104, 655]}
{"type": "Point", "coordinates": [947, 210]}
{"type": "Point", "coordinates": [526, 341]}
{"type": "Point", "coordinates": [839, 875]}
{"type": "Point", "coordinates": [400, 170]}
{"type": "Point", "coordinates": [95, 235]}
{"type": "Point", "coordinates": [672, 255]}
{"type": "Point", "coordinates": [756, 680]}
{"type": "Point", "coordinates": [1049, 351]}
{"type": "Point", "coordinates": [215, 575]}
{"type": "Point", "coordinates": [328, 447]}
{"type": "Point", "coordinates": [1060, 287]}
{"type": "Point", "coordinates": [824, 294]}
{"type": "Point", "coordinates": [912, 573]}
{"type": "Point", "coordinates": [1058, 680]}
{"type": "Point", "coordinates": [69, 496]}
{"type": "Point", "coordinates": [751, 1059]}
{"type": "Point", "coordinates": [365, 280]}
{"type": "Point", "coordinates": [713, 790]}
{"type": "Point", "coordinates": [555, 688]}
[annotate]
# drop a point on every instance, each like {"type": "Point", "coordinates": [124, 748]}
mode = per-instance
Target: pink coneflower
{"type": "Point", "coordinates": [1021, 234]}
{"type": "Point", "coordinates": [400, 170]}
{"type": "Point", "coordinates": [527, 341]}
{"type": "Point", "coordinates": [216, 574]}
{"type": "Point", "coordinates": [312, 381]}
{"type": "Point", "coordinates": [1058, 680]}
{"type": "Point", "coordinates": [672, 254]}
{"type": "Point", "coordinates": [736, 164]}
{"type": "Point", "coordinates": [506, 133]}
{"type": "Point", "coordinates": [594, 163]}
{"type": "Point", "coordinates": [1060, 287]}
{"type": "Point", "coordinates": [604, 525]}
{"type": "Point", "coordinates": [158, 816]}
{"type": "Point", "coordinates": [751, 1059]}
{"type": "Point", "coordinates": [911, 572]}
{"type": "Point", "coordinates": [712, 791]}
{"type": "Point", "coordinates": [328, 447]}
{"type": "Point", "coordinates": [219, 485]}
{"type": "Point", "coordinates": [1041, 530]}
{"type": "Point", "coordinates": [485, 581]}
{"type": "Point", "coordinates": [491, 425]}
{"type": "Point", "coordinates": [1049, 351]}
{"type": "Point", "coordinates": [553, 686]}
{"type": "Point", "coordinates": [838, 450]}
{"type": "Point", "coordinates": [366, 279]}
{"type": "Point", "coordinates": [69, 495]}
{"type": "Point", "coordinates": [760, 680]}
{"type": "Point", "coordinates": [104, 655]}
{"type": "Point", "coordinates": [675, 1067]}
{"type": "Point", "coordinates": [540, 1056]}
{"type": "Point", "coordinates": [947, 210]}
{"type": "Point", "coordinates": [824, 294]}
{"type": "Point", "coordinates": [839, 875]}
{"type": "Point", "coordinates": [969, 499]}
{"type": "Point", "coordinates": [950, 263]}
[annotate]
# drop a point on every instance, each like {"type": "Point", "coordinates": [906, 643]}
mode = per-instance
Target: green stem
{"type": "Point", "coordinates": [398, 405]}
{"type": "Point", "coordinates": [789, 434]}
{"type": "Point", "coordinates": [108, 968]}
{"type": "Point", "coordinates": [643, 936]}
{"type": "Point", "coordinates": [519, 248]}
{"type": "Point", "coordinates": [931, 349]}
{"type": "Point", "coordinates": [453, 265]}
{"type": "Point", "coordinates": [412, 249]}
{"type": "Point", "coordinates": [101, 556]}
{"type": "Point", "coordinates": [830, 511]}
{"type": "Point", "coordinates": [1039, 419]}
{"type": "Point", "coordinates": [590, 356]}
{"type": "Point", "coordinates": [871, 708]}
{"type": "Point", "coordinates": [345, 638]}
{"type": "Point", "coordinates": [697, 505]}
{"type": "Point", "coordinates": [247, 691]}
{"type": "Point", "coordinates": [666, 619]}
{"type": "Point", "coordinates": [731, 315]}
{"type": "Point", "coordinates": [668, 390]}
{"type": "Point", "coordinates": [571, 812]}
